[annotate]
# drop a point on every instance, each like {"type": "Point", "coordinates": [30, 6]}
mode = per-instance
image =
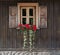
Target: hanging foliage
{"type": "Point", "coordinates": [28, 31]}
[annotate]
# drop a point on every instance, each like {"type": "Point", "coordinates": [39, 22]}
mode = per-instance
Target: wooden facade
{"type": "Point", "coordinates": [45, 37]}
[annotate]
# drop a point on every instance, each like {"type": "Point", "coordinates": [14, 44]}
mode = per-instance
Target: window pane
{"type": "Point", "coordinates": [30, 12]}
{"type": "Point", "coordinates": [31, 21]}
{"type": "Point", "coordinates": [24, 20]}
{"type": "Point", "coordinates": [23, 12]}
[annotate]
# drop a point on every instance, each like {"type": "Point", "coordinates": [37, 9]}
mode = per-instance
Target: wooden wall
{"type": "Point", "coordinates": [45, 37]}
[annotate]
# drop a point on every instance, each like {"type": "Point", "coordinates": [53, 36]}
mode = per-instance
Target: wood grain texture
{"type": "Point", "coordinates": [45, 37]}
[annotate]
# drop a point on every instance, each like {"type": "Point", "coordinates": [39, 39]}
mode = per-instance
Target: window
{"type": "Point", "coordinates": [23, 20]}
{"type": "Point", "coordinates": [23, 12]}
{"type": "Point", "coordinates": [28, 13]}
{"type": "Point", "coordinates": [31, 21]}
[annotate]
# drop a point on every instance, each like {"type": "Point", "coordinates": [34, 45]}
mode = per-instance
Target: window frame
{"type": "Point", "coordinates": [27, 15]}
{"type": "Point", "coordinates": [29, 5]}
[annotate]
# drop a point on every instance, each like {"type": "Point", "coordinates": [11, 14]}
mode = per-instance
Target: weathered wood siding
{"type": "Point", "coordinates": [45, 37]}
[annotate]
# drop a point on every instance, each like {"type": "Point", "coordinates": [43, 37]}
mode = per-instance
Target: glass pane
{"type": "Point", "coordinates": [31, 21]}
{"type": "Point", "coordinates": [23, 12]}
{"type": "Point", "coordinates": [30, 12]}
{"type": "Point", "coordinates": [24, 20]}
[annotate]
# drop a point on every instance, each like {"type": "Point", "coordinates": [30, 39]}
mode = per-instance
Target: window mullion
{"type": "Point", "coordinates": [21, 16]}
{"type": "Point", "coordinates": [27, 15]}
{"type": "Point", "coordinates": [34, 18]}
